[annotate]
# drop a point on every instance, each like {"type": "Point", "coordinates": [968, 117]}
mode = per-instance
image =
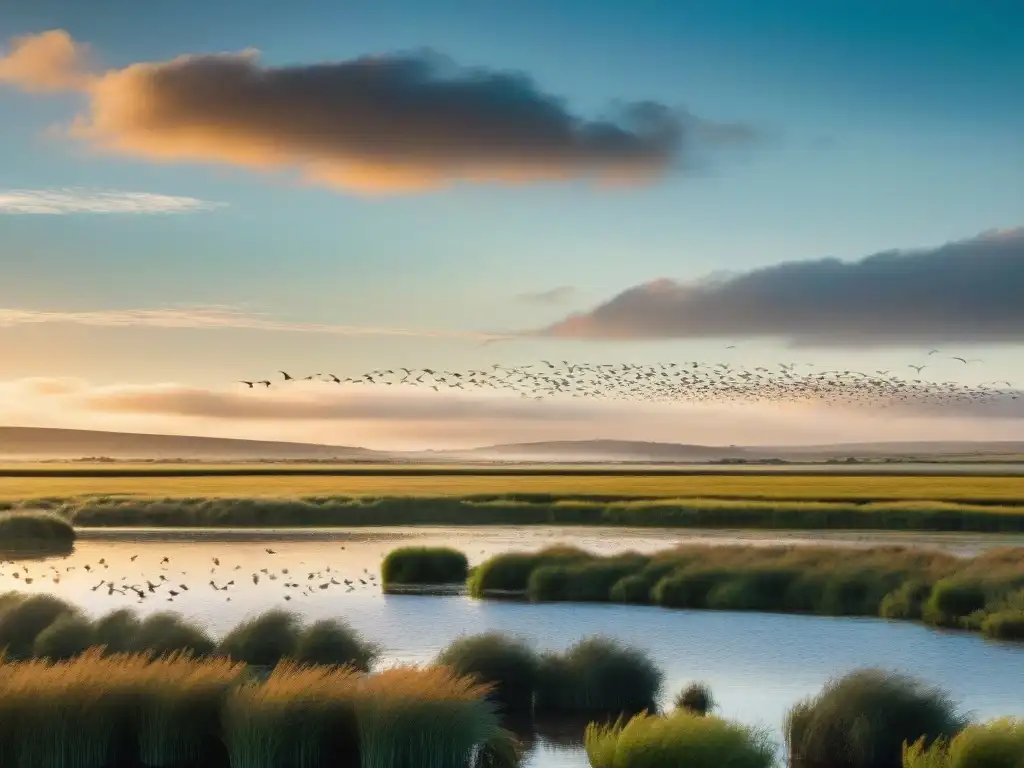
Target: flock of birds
{"type": "Point", "coordinates": [685, 382]}
{"type": "Point", "coordinates": [168, 585]}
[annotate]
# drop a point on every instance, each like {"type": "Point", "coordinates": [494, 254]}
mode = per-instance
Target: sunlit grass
{"type": "Point", "coordinates": [863, 487]}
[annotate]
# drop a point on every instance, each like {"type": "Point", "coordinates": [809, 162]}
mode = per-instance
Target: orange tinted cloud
{"type": "Point", "coordinates": [374, 124]}
{"type": "Point", "coordinates": [49, 61]}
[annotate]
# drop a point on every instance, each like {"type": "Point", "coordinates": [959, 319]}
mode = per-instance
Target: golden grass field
{"type": "Point", "coordinates": [963, 488]}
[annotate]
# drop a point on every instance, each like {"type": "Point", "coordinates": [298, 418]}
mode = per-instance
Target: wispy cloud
{"type": "Point", "coordinates": [81, 200]}
{"type": "Point", "coordinates": [214, 317]}
{"type": "Point", "coordinates": [552, 296]}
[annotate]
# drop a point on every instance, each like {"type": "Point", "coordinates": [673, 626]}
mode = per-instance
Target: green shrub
{"type": "Point", "coordinates": [332, 641]}
{"type": "Point", "coordinates": [760, 589]}
{"type": "Point", "coordinates": [1006, 624]}
{"type": "Point", "coordinates": [424, 565]}
{"type": "Point", "coordinates": [951, 601]}
{"type": "Point", "coordinates": [597, 675]}
{"type": "Point", "coordinates": [510, 572]}
{"type": "Point", "coordinates": [679, 739]}
{"type": "Point", "coordinates": [68, 636]}
{"type": "Point", "coordinates": [688, 588]}
{"type": "Point", "coordinates": [863, 719]}
{"type": "Point", "coordinates": [262, 640]}
{"type": "Point", "coordinates": [906, 601]}
{"type": "Point", "coordinates": [506, 663]}
{"type": "Point", "coordinates": [586, 582]}
{"type": "Point", "coordinates": [696, 699]}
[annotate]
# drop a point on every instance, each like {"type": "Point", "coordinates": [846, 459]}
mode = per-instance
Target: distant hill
{"type": "Point", "coordinates": [32, 443]}
{"type": "Point", "coordinates": [596, 450]}
{"type": "Point", "coordinates": [41, 444]}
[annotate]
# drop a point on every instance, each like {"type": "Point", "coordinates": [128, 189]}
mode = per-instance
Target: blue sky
{"type": "Point", "coordinates": [887, 125]}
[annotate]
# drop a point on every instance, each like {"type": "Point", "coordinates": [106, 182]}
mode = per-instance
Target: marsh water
{"type": "Point", "coordinates": [757, 665]}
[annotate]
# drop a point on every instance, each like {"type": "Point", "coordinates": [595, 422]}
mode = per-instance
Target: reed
{"type": "Point", "coordinates": [424, 565]}
{"type": "Point", "coordinates": [679, 739]}
{"type": "Point", "coordinates": [68, 636]}
{"type": "Point", "coordinates": [863, 720]}
{"type": "Point", "coordinates": [507, 664]}
{"type": "Point", "coordinates": [511, 572]}
{"type": "Point", "coordinates": [333, 641]}
{"type": "Point", "coordinates": [161, 634]}
{"type": "Point", "coordinates": [23, 617]}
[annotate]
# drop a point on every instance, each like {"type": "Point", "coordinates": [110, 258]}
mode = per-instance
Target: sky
{"type": "Point", "coordinates": [194, 193]}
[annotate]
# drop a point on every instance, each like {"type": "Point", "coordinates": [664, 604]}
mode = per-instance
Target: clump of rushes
{"type": "Point", "coordinates": [116, 631]}
{"type": "Point", "coordinates": [867, 717]}
{"type": "Point", "coordinates": [696, 699]}
{"type": "Point", "coordinates": [424, 565]}
{"type": "Point", "coordinates": [331, 641]}
{"type": "Point", "coordinates": [510, 573]}
{"type": "Point", "coordinates": [587, 581]}
{"type": "Point", "coordinates": [597, 675]}
{"type": "Point", "coordinates": [23, 617]}
{"type": "Point", "coordinates": [995, 744]}
{"type": "Point", "coordinates": [35, 533]}
{"type": "Point", "coordinates": [507, 664]}
{"type": "Point", "coordinates": [166, 633]}
{"type": "Point", "coordinates": [68, 636]}
{"type": "Point", "coordinates": [678, 739]}
{"type": "Point", "coordinates": [262, 640]}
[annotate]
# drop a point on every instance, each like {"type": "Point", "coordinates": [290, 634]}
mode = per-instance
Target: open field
{"type": "Point", "coordinates": [778, 486]}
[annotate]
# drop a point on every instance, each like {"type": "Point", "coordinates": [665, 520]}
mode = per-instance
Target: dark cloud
{"type": "Point", "coordinates": [552, 296]}
{"type": "Point", "coordinates": [377, 123]}
{"type": "Point", "coordinates": [970, 291]}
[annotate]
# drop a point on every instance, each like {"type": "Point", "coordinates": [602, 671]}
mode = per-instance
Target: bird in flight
{"type": "Point", "coordinates": [918, 368]}
{"type": "Point", "coordinates": [249, 383]}
{"type": "Point", "coordinates": [286, 376]}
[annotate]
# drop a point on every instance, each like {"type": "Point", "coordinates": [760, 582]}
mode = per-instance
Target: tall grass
{"type": "Point", "coordinates": [894, 582]}
{"type": "Point", "coordinates": [863, 720]}
{"type": "Point", "coordinates": [507, 664]}
{"type": "Point", "coordinates": [424, 565]}
{"type": "Point", "coordinates": [996, 744]}
{"type": "Point", "coordinates": [597, 675]}
{"type": "Point", "coordinates": [766, 509]}
{"type": "Point", "coordinates": [679, 739]}
{"type": "Point", "coordinates": [35, 532]}
{"type": "Point", "coordinates": [99, 711]}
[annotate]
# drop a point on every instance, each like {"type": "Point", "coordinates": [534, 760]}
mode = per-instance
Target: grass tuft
{"type": "Point", "coordinates": [35, 532]}
{"type": "Point", "coordinates": [507, 664]}
{"type": "Point", "coordinates": [696, 698]}
{"type": "Point", "coordinates": [424, 565]}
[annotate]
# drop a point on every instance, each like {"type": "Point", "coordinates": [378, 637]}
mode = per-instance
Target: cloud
{"type": "Point", "coordinates": [76, 200]}
{"type": "Point", "coordinates": [557, 295]}
{"type": "Point", "coordinates": [967, 291]}
{"type": "Point", "coordinates": [49, 61]}
{"type": "Point", "coordinates": [394, 122]}
{"type": "Point", "coordinates": [211, 317]}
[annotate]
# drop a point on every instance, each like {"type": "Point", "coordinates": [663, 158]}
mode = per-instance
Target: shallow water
{"type": "Point", "coordinates": [757, 665]}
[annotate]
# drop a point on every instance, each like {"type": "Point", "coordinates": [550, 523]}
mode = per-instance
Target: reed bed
{"type": "Point", "coordinates": [423, 565]}
{"type": "Point", "coordinates": [999, 515]}
{"type": "Point", "coordinates": [107, 711]}
{"type": "Point", "coordinates": [631, 483]}
{"type": "Point", "coordinates": [995, 744]}
{"type": "Point", "coordinates": [984, 593]}
{"type": "Point", "coordinates": [35, 532]}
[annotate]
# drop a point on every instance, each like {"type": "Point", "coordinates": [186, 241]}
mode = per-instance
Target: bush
{"type": "Point", "coordinates": [995, 744]}
{"type": "Point", "coordinates": [863, 719]}
{"type": "Point", "coordinates": [688, 588]}
{"type": "Point", "coordinates": [262, 640]}
{"type": "Point", "coordinates": [597, 675]}
{"type": "Point", "coordinates": [68, 636]}
{"type": "Point", "coordinates": [35, 532]}
{"type": "Point", "coordinates": [696, 699]}
{"type": "Point", "coordinates": [951, 601]}
{"type": "Point", "coordinates": [23, 617]}
{"type": "Point", "coordinates": [424, 565]}
{"type": "Point", "coordinates": [582, 582]}
{"type": "Point", "coordinates": [906, 601]}
{"type": "Point", "coordinates": [762, 589]}
{"type": "Point", "coordinates": [331, 641]}
{"type": "Point", "coordinates": [1007, 624]}
{"type": "Point", "coordinates": [117, 630]}
{"type": "Point", "coordinates": [510, 573]}
{"type": "Point", "coordinates": [508, 664]}
{"type": "Point", "coordinates": [679, 739]}
{"type": "Point", "coordinates": [162, 634]}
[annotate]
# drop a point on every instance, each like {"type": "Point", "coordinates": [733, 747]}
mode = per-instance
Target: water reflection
{"type": "Point", "coordinates": [756, 664]}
